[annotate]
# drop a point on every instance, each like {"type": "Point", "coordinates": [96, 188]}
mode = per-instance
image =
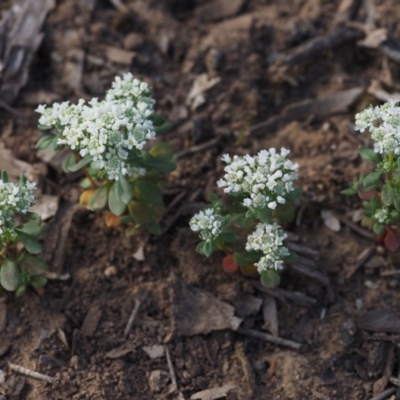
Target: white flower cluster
{"type": "Point", "coordinates": [384, 124]}
{"type": "Point", "coordinates": [208, 223]}
{"type": "Point", "coordinates": [382, 216]}
{"type": "Point", "coordinates": [266, 178]}
{"type": "Point", "coordinates": [106, 130]}
{"type": "Point", "coordinates": [14, 199]}
{"type": "Point", "coordinates": [268, 238]}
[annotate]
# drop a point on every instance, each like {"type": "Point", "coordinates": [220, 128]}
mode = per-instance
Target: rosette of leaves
{"type": "Point", "coordinates": [239, 221]}
{"type": "Point", "coordinates": [20, 269]}
{"type": "Point", "coordinates": [380, 192]}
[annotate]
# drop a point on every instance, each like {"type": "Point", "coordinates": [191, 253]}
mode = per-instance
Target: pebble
{"type": "Point", "coordinates": [158, 379]}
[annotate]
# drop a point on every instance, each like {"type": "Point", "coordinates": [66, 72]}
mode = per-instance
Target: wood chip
{"type": "Point", "coordinates": [270, 315]}
{"type": "Point", "coordinates": [214, 393]}
{"type": "Point", "coordinates": [120, 351]}
{"type": "Point", "coordinates": [119, 56]}
{"type": "Point", "coordinates": [330, 221]}
{"type": "Point", "coordinates": [218, 9]}
{"type": "Point", "coordinates": [197, 312]}
{"type": "Point", "coordinates": [91, 320]}
{"type": "Point", "coordinates": [380, 321]}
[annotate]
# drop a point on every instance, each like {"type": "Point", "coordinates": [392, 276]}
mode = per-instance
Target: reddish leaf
{"type": "Point", "coordinates": [229, 265]}
{"type": "Point", "coordinates": [365, 196]}
{"type": "Point", "coordinates": [392, 240]}
{"type": "Point", "coordinates": [112, 220]}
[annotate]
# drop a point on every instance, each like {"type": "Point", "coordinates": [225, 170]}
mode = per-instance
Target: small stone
{"type": "Point", "coordinates": [155, 351]}
{"type": "Point", "coordinates": [158, 379]}
{"type": "Point", "coordinates": [110, 271]}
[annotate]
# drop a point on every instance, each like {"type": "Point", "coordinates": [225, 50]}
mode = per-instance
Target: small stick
{"type": "Point", "coordinates": [395, 381]}
{"type": "Point", "coordinates": [355, 227]}
{"type": "Point", "coordinates": [385, 394]}
{"type": "Point", "coordinates": [195, 149]}
{"type": "Point", "coordinates": [269, 338]}
{"type": "Point", "coordinates": [171, 369]}
{"type": "Point", "coordinates": [33, 374]}
{"type": "Point", "coordinates": [174, 202]}
{"type": "Point", "coordinates": [131, 319]}
{"type": "Point", "coordinates": [390, 273]}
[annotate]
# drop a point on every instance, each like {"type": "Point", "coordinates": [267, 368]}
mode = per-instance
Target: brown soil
{"type": "Point", "coordinates": [74, 329]}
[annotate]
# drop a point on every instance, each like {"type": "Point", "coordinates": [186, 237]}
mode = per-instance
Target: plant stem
{"type": "Point", "coordinates": [86, 172]}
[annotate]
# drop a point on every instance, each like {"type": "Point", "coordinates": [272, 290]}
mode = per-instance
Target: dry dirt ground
{"type": "Point", "coordinates": [232, 76]}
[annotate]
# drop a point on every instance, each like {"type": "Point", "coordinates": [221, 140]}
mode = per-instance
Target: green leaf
{"type": "Point", "coordinates": [200, 248]}
{"type": "Point", "coordinates": [54, 144]}
{"type": "Point", "coordinates": [270, 278]}
{"type": "Point", "coordinates": [387, 194]}
{"type": "Point", "coordinates": [44, 142]}
{"type": "Point", "coordinates": [117, 206]}
{"type": "Point", "coordinates": [80, 164]}
{"type": "Point", "coordinates": [99, 198]}
{"type": "Point", "coordinates": [294, 194]}
{"type": "Point", "coordinates": [154, 228]}
{"type": "Point", "coordinates": [44, 127]}
{"type": "Point", "coordinates": [35, 266]}
{"type": "Point", "coordinates": [285, 213]}
{"type": "Point", "coordinates": [378, 228]}
{"type": "Point", "coordinates": [368, 154]}
{"type": "Point", "coordinates": [36, 231]}
{"type": "Point", "coordinates": [126, 189]}
{"type": "Point", "coordinates": [10, 275]}
{"type": "Point", "coordinates": [246, 257]}
{"type": "Point", "coordinates": [229, 237]}
{"type": "Point", "coordinates": [159, 164]}
{"type": "Point", "coordinates": [396, 202]}
{"type": "Point", "coordinates": [85, 183]}
{"type": "Point", "coordinates": [4, 176]}
{"type": "Point", "coordinates": [21, 291]}
{"type": "Point", "coordinates": [38, 281]}
{"type": "Point", "coordinates": [30, 243]}
{"type": "Point", "coordinates": [375, 203]}
{"type": "Point", "coordinates": [149, 192]}
{"type": "Point", "coordinates": [31, 215]}
{"type": "Point", "coordinates": [242, 221]}
{"type": "Point", "coordinates": [68, 162]}
{"type": "Point", "coordinates": [157, 119]}
{"type": "Point", "coordinates": [373, 178]}
{"type": "Point", "coordinates": [140, 212]}
{"type": "Point", "coordinates": [162, 151]}
{"type": "Point", "coordinates": [349, 191]}
{"type": "Point", "coordinates": [22, 180]}
{"type": "Point", "coordinates": [208, 248]}
{"type": "Point", "coordinates": [264, 214]}
{"type": "Point", "coordinates": [164, 128]}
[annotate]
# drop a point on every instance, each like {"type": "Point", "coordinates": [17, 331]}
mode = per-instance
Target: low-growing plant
{"type": "Point", "coordinates": [380, 190]}
{"type": "Point", "coordinates": [243, 223]}
{"type": "Point", "coordinates": [107, 140]}
{"type": "Point", "coordinates": [19, 234]}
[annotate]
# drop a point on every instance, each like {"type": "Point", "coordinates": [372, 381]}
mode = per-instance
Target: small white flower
{"type": "Point", "coordinates": [207, 223]}
{"type": "Point", "coordinates": [268, 238]}
{"type": "Point", "coordinates": [265, 179]}
{"type": "Point", "coordinates": [383, 122]}
{"type": "Point", "coordinates": [116, 125]}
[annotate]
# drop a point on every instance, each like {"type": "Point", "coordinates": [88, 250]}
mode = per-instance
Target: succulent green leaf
{"type": "Point", "coordinates": [30, 243]}
{"type": "Point", "coordinates": [80, 164]}
{"type": "Point", "coordinates": [270, 278]}
{"type": "Point", "coordinates": [38, 281]}
{"type": "Point", "coordinates": [126, 189]}
{"type": "Point", "coordinates": [99, 198]}
{"type": "Point", "coordinates": [264, 214]}
{"type": "Point", "coordinates": [372, 178]}
{"type": "Point", "coordinates": [149, 192]}
{"type": "Point", "coordinates": [4, 176]}
{"type": "Point", "coordinates": [368, 154]}
{"type": "Point", "coordinates": [10, 275]}
{"type": "Point", "coordinates": [396, 202]}
{"type": "Point", "coordinates": [140, 212]}
{"type": "Point", "coordinates": [154, 228]}
{"type": "Point", "coordinates": [20, 291]}
{"type": "Point", "coordinates": [387, 194]}
{"type": "Point", "coordinates": [159, 164]}
{"type": "Point", "coordinates": [246, 257]}
{"type": "Point", "coordinates": [162, 151]}
{"type": "Point", "coordinates": [242, 221]}
{"type": "Point", "coordinates": [44, 127]}
{"type": "Point", "coordinates": [294, 194]}
{"type": "Point", "coordinates": [35, 266]}
{"type": "Point", "coordinates": [164, 128]}
{"type": "Point", "coordinates": [44, 142]}
{"type": "Point", "coordinates": [378, 228]}
{"type": "Point", "coordinates": [349, 191]}
{"type": "Point", "coordinates": [68, 162]}
{"type": "Point", "coordinates": [285, 213]}
{"type": "Point", "coordinates": [208, 248]}
{"type": "Point", "coordinates": [54, 144]}
{"type": "Point", "coordinates": [115, 202]}
{"type": "Point", "coordinates": [36, 231]}
{"type": "Point", "coordinates": [157, 119]}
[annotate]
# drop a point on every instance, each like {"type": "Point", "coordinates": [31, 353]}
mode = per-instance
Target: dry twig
{"type": "Point", "coordinates": [131, 319]}
{"type": "Point", "coordinates": [32, 374]}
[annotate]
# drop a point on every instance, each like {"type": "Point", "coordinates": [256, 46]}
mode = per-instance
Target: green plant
{"type": "Point", "coordinates": [107, 140]}
{"type": "Point", "coordinates": [380, 190]}
{"type": "Point", "coordinates": [18, 268]}
{"type": "Point", "coordinates": [258, 192]}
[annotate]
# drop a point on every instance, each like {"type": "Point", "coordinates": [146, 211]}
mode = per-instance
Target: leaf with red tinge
{"type": "Point", "coordinates": [392, 240]}
{"type": "Point", "coordinates": [229, 264]}
{"type": "Point", "coordinates": [366, 196]}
